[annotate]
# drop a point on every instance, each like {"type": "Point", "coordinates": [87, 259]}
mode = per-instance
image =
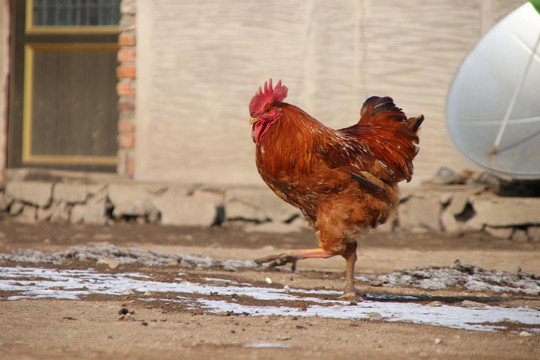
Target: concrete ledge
{"type": "Point", "coordinates": [447, 209]}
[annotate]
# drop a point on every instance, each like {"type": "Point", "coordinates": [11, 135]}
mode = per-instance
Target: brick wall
{"type": "Point", "coordinates": [126, 88]}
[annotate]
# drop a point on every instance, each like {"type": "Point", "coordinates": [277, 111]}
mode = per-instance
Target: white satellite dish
{"type": "Point", "coordinates": [493, 107]}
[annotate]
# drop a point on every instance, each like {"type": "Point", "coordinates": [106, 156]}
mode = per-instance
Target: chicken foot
{"type": "Point", "coordinates": [292, 256]}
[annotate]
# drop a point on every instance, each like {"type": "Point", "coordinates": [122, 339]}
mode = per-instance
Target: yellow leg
{"type": "Point", "coordinates": [350, 256]}
{"type": "Point", "coordinates": [292, 256]}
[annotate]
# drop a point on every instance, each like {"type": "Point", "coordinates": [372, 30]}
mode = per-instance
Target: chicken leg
{"type": "Point", "coordinates": [292, 256]}
{"type": "Point", "coordinates": [350, 293]}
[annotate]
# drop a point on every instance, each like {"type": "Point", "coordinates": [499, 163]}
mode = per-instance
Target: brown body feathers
{"type": "Point", "coordinates": [343, 180]}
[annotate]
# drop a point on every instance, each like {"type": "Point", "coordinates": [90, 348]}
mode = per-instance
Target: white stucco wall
{"type": "Point", "coordinates": [199, 63]}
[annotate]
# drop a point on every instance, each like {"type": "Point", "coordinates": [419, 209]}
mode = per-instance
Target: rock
{"type": "Point", "coordinates": [136, 199]}
{"type": "Point", "coordinates": [16, 208]}
{"type": "Point", "coordinates": [77, 214]}
{"type": "Point", "coordinates": [258, 204]}
{"type": "Point", "coordinates": [420, 212]}
{"type": "Point", "coordinates": [458, 211]}
{"type": "Point", "coordinates": [179, 209]}
{"type": "Point", "coordinates": [110, 263]}
{"type": "Point", "coordinates": [28, 214]}
{"type": "Point", "coordinates": [534, 233]}
{"type": "Point", "coordinates": [33, 192]}
{"type": "Point", "coordinates": [520, 235]}
{"type": "Point", "coordinates": [61, 213]}
{"type": "Point", "coordinates": [449, 222]}
{"type": "Point", "coordinates": [44, 214]}
{"type": "Point", "coordinates": [505, 211]}
{"type": "Point", "coordinates": [469, 303]}
{"type": "Point", "coordinates": [5, 202]}
{"type": "Point", "coordinates": [70, 192]}
{"type": "Point", "coordinates": [459, 202]}
{"type": "Point", "coordinates": [93, 212]}
{"type": "Point", "coordinates": [445, 176]}
{"type": "Point", "coordinates": [500, 232]}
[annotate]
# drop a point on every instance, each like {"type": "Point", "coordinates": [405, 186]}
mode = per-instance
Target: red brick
{"type": "Point", "coordinates": [126, 141]}
{"type": "Point", "coordinates": [130, 166]}
{"type": "Point", "coordinates": [125, 72]}
{"type": "Point", "coordinates": [126, 105]}
{"type": "Point", "coordinates": [126, 55]}
{"type": "Point", "coordinates": [126, 39]}
{"type": "Point", "coordinates": [128, 7]}
{"type": "Point", "coordinates": [124, 88]}
{"type": "Point", "coordinates": [125, 127]}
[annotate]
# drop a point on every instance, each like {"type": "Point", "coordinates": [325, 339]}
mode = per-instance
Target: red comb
{"type": "Point", "coordinates": [267, 96]}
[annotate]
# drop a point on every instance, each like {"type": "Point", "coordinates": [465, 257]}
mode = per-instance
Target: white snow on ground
{"type": "Point", "coordinates": [129, 256]}
{"type": "Point", "coordinates": [39, 283]}
{"type": "Point", "coordinates": [457, 275]}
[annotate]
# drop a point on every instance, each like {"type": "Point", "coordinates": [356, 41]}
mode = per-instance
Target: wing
{"type": "Point", "coordinates": [389, 134]}
{"type": "Point", "coordinates": [353, 157]}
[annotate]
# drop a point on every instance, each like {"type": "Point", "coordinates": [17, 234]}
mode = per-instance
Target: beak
{"type": "Point", "coordinates": [253, 121]}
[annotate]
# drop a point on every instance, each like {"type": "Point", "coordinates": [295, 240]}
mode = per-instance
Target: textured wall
{"type": "Point", "coordinates": [199, 63]}
{"type": "Point", "coordinates": [4, 82]}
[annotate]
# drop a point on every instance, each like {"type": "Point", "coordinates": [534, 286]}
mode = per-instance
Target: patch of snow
{"type": "Point", "coordinates": [129, 256]}
{"type": "Point", "coordinates": [38, 283]}
{"type": "Point", "coordinates": [449, 316]}
{"type": "Point", "coordinates": [459, 275]}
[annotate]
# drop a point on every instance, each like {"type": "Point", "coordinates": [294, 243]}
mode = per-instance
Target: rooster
{"type": "Point", "coordinates": [343, 181]}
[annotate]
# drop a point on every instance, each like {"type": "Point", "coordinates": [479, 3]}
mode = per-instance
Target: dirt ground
{"type": "Point", "coordinates": [130, 326]}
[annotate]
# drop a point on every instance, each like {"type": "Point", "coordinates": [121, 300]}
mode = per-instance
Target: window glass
{"type": "Point", "coordinates": [76, 12]}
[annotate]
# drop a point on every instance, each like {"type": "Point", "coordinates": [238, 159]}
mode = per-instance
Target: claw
{"type": "Point", "coordinates": [278, 260]}
{"type": "Point", "coordinates": [351, 293]}
{"type": "Point", "coordinates": [354, 295]}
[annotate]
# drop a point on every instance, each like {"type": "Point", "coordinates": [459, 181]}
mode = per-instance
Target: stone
{"type": "Point", "coordinates": [61, 213]}
{"type": "Point", "coordinates": [179, 209]}
{"type": "Point", "coordinates": [93, 211]}
{"type": "Point", "coordinates": [470, 303]}
{"type": "Point", "coordinates": [500, 232]}
{"type": "Point", "coordinates": [458, 202]}
{"type": "Point", "coordinates": [136, 200]}
{"type": "Point", "coordinates": [16, 208]}
{"type": "Point", "coordinates": [420, 212]}
{"type": "Point", "coordinates": [44, 214]}
{"type": "Point", "coordinates": [70, 192]}
{"type": "Point", "coordinates": [28, 214]}
{"type": "Point", "coordinates": [534, 233]}
{"type": "Point", "coordinates": [449, 222]}
{"type": "Point", "coordinates": [77, 214]}
{"type": "Point", "coordinates": [5, 202]}
{"type": "Point", "coordinates": [505, 211]}
{"type": "Point", "coordinates": [520, 235]}
{"type": "Point", "coordinates": [259, 204]}
{"type": "Point", "coordinates": [32, 192]}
